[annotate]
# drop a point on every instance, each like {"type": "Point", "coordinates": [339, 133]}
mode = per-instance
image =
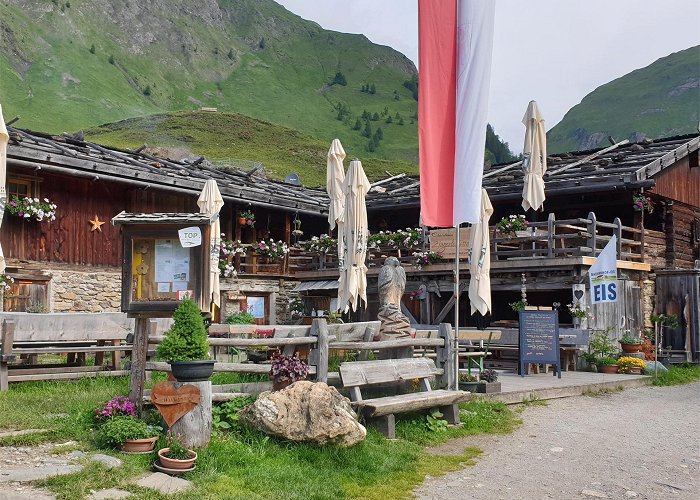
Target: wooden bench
{"type": "Point", "coordinates": [381, 411]}
{"type": "Point", "coordinates": [27, 336]}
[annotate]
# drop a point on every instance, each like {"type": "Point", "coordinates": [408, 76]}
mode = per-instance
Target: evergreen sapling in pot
{"type": "Point", "coordinates": [186, 345]}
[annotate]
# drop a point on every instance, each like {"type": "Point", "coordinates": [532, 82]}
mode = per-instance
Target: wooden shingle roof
{"type": "Point", "coordinates": [74, 156]}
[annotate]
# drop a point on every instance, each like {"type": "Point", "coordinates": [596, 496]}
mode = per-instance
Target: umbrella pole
{"type": "Point", "coordinates": [456, 337]}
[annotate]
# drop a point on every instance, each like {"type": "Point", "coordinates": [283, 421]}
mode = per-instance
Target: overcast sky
{"type": "Point", "coordinates": [552, 51]}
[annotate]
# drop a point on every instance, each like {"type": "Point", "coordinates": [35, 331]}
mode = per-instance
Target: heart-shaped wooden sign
{"type": "Point", "coordinates": [578, 294]}
{"type": "Point", "coordinates": [174, 402]}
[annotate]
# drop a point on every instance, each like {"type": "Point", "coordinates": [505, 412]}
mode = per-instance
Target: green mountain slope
{"type": "Point", "coordinates": [226, 139]}
{"type": "Point", "coordinates": [70, 65]}
{"type": "Point", "coordinates": [662, 99]}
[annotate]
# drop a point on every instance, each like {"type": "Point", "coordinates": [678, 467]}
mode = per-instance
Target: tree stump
{"type": "Point", "coordinates": [195, 426]}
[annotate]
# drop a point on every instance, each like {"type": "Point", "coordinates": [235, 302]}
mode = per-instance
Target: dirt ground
{"type": "Point", "coordinates": [641, 443]}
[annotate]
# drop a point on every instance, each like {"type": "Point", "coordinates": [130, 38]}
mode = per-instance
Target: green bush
{"type": "Point", "coordinates": [240, 318]}
{"type": "Point", "coordinates": [606, 361]}
{"type": "Point", "coordinates": [186, 340]}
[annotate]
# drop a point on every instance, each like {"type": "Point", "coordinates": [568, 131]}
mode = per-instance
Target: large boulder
{"type": "Point", "coordinates": [306, 411]}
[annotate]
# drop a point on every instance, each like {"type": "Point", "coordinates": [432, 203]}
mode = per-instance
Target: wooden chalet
{"type": "Point", "coordinates": [74, 263]}
{"type": "Point", "coordinates": [589, 198]}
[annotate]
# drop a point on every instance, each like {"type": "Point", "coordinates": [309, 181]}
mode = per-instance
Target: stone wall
{"type": "Point", "coordinates": [77, 291]}
{"type": "Point", "coordinates": [279, 290]}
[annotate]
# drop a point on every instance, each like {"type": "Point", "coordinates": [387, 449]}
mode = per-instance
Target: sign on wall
{"type": "Point", "coordinates": [442, 241]}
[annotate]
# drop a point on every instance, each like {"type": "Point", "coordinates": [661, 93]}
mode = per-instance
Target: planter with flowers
{"type": "Point", "coordinates": [642, 203]}
{"type": "Point", "coordinates": [630, 365]}
{"type": "Point", "coordinates": [270, 253]}
{"type": "Point", "coordinates": [32, 209]}
{"type": "Point", "coordinates": [228, 250]}
{"type": "Point", "coordinates": [512, 225]}
{"type": "Point", "coordinates": [5, 282]}
{"type": "Point", "coordinates": [286, 370]}
{"type": "Point", "coordinates": [426, 258]}
{"type": "Point", "coordinates": [246, 218]}
{"type": "Point", "coordinates": [607, 365]}
{"type": "Point", "coordinates": [118, 427]}
{"type": "Point", "coordinates": [176, 455]}
{"type": "Point", "coordinates": [486, 383]}
{"type": "Point", "coordinates": [578, 313]}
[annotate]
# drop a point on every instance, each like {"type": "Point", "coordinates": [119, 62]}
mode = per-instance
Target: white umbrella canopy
{"type": "Point", "coordinates": [335, 175]}
{"type": "Point", "coordinates": [352, 239]}
{"type": "Point", "coordinates": [210, 202]}
{"type": "Point", "coordinates": [4, 139]}
{"type": "Point", "coordinates": [480, 260]}
{"type": "Point", "coordinates": [535, 158]}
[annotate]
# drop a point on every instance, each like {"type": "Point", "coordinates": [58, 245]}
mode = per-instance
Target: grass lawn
{"type": "Point", "coordinates": [679, 374]}
{"type": "Point", "coordinates": [245, 463]}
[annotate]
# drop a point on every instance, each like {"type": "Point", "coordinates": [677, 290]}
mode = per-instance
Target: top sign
{"type": "Point", "coordinates": [442, 241]}
{"type": "Point", "coordinates": [190, 237]}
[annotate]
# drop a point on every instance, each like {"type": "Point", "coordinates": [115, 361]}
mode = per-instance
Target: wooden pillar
{"type": "Point", "coordinates": [142, 329]}
{"type": "Point", "coordinates": [195, 426]}
{"type": "Point", "coordinates": [7, 336]}
{"type": "Point", "coordinates": [319, 328]}
{"type": "Point", "coordinates": [446, 358]}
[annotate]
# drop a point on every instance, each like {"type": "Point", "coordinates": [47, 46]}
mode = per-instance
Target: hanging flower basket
{"type": "Point", "coordinates": [32, 209]}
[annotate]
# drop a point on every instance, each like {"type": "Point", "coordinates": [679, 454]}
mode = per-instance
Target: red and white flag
{"type": "Point", "coordinates": [454, 54]}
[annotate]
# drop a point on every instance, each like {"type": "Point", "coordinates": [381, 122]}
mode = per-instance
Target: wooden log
{"type": "Point", "coordinates": [387, 344]}
{"type": "Point", "coordinates": [238, 342]}
{"type": "Point", "coordinates": [67, 376]}
{"type": "Point", "coordinates": [195, 426]}
{"type": "Point", "coordinates": [446, 357]}
{"type": "Point", "coordinates": [406, 403]}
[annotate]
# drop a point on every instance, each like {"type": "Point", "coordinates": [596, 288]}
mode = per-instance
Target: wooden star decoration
{"type": "Point", "coordinates": [96, 224]}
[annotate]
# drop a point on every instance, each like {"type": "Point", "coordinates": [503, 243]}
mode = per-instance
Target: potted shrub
{"type": "Point", "coordinates": [128, 434]}
{"type": "Point", "coordinates": [186, 345]}
{"type": "Point", "coordinates": [286, 370]}
{"type": "Point", "coordinates": [246, 218]}
{"type": "Point", "coordinates": [600, 345]}
{"type": "Point", "coordinates": [630, 344]}
{"type": "Point", "coordinates": [176, 455]}
{"type": "Point", "coordinates": [607, 365]}
{"type": "Point", "coordinates": [633, 366]}
{"type": "Point", "coordinates": [486, 383]}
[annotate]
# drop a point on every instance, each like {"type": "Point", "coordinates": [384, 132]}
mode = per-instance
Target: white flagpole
{"type": "Point", "coordinates": [456, 337]}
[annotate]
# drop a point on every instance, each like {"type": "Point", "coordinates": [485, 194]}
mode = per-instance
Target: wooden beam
{"type": "Point", "coordinates": [586, 159]}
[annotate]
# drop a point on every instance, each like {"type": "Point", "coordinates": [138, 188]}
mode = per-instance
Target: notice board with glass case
{"type": "Point", "coordinates": [165, 258]}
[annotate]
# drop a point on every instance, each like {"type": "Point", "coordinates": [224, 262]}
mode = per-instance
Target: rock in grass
{"type": "Point", "coordinates": [649, 369]}
{"type": "Point", "coordinates": [306, 411]}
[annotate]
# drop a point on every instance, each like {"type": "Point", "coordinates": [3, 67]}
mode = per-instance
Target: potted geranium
{"type": "Point", "coordinates": [5, 282]}
{"type": "Point", "coordinates": [186, 345]}
{"type": "Point", "coordinates": [246, 218]}
{"type": "Point", "coordinates": [425, 258]}
{"type": "Point", "coordinates": [577, 314]}
{"type": "Point", "coordinates": [512, 224]}
{"type": "Point", "coordinates": [285, 370]}
{"type": "Point", "coordinates": [176, 455]}
{"type": "Point", "coordinates": [642, 203]}
{"type": "Point", "coordinates": [32, 208]}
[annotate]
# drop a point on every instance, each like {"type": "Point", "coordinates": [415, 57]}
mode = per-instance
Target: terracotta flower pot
{"type": "Point", "coordinates": [635, 371]}
{"type": "Point", "coordinates": [241, 221]}
{"type": "Point", "coordinates": [631, 347]}
{"type": "Point", "coordinates": [174, 463]}
{"type": "Point", "coordinates": [139, 445]}
{"type": "Point", "coordinates": [607, 368]}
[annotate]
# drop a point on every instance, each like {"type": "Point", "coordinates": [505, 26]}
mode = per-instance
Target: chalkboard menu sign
{"type": "Point", "coordinates": [539, 339]}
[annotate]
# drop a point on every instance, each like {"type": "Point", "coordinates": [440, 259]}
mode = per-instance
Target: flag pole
{"type": "Point", "coordinates": [456, 335]}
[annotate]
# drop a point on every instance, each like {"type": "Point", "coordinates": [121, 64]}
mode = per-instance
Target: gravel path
{"type": "Point", "coordinates": [641, 443]}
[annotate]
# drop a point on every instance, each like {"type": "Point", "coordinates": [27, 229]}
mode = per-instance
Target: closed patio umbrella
{"type": "Point", "coordinates": [352, 239]}
{"type": "Point", "coordinates": [535, 158]}
{"type": "Point", "coordinates": [4, 139]}
{"type": "Point", "coordinates": [480, 260]}
{"type": "Point", "coordinates": [210, 202]}
{"type": "Point", "coordinates": [335, 175]}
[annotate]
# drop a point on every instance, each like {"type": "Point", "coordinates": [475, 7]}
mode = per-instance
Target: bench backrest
{"type": "Point", "coordinates": [56, 327]}
{"type": "Point", "coordinates": [245, 331]}
{"type": "Point", "coordinates": [360, 373]}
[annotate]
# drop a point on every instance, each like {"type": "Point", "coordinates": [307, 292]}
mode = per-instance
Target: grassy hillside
{"type": "Point", "coordinates": [70, 65]}
{"type": "Point", "coordinates": [223, 138]}
{"type": "Point", "coordinates": [659, 100]}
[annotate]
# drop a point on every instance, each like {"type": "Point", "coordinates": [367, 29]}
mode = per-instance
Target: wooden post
{"type": "Point", "coordinates": [196, 425]}
{"type": "Point", "coordinates": [143, 327]}
{"type": "Point", "coordinates": [7, 336]}
{"type": "Point", "coordinates": [550, 234]}
{"type": "Point", "coordinates": [592, 231]}
{"type": "Point", "coordinates": [319, 328]}
{"type": "Point", "coordinates": [618, 233]}
{"type": "Point", "coordinates": [446, 358]}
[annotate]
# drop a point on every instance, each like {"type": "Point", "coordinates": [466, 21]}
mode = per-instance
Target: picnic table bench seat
{"type": "Point", "coordinates": [359, 375]}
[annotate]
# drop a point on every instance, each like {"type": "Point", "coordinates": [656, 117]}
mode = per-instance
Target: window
{"type": "Point", "coordinates": [22, 187]}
